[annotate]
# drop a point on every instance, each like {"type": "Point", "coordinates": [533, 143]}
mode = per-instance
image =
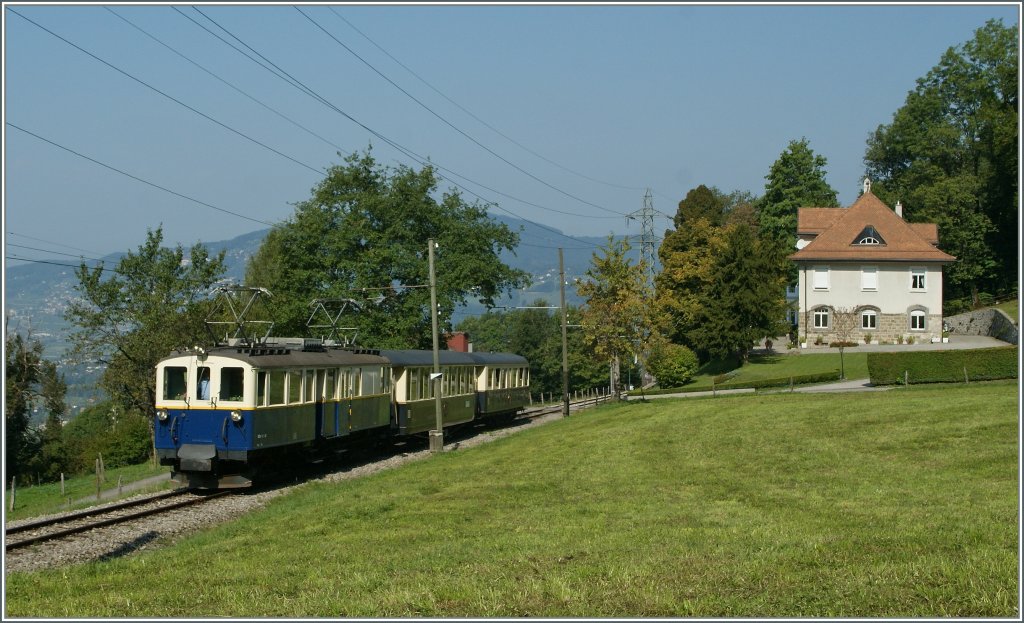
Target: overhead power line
{"type": "Point", "coordinates": [471, 114]}
{"type": "Point", "coordinates": [451, 125]}
{"type": "Point", "coordinates": [135, 177]}
{"type": "Point", "coordinates": [284, 75]}
{"type": "Point", "coordinates": [168, 96]}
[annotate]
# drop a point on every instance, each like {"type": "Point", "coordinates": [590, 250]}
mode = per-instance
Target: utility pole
{"type": "Point", "coordinates": [436, 436]}
{"type": "Point", "coordinates": [565, 346]}
{"type": "Point", "coordinates": [647, 246]}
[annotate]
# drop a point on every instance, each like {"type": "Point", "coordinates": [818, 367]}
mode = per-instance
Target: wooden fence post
{"type": "Point", "coordinates": [11, 506]}
{"type": "Point", "coordinates": [97, 479]}
{"type": "Point", "coordinates": [906, 378]}
{"type": "Point", "coordinates": [62, 484]}
{"type": "Point", "coordinates": [119, 486]}
{"type": "Point", "coordinates": [965, 376]}
{"type": "Point", "coordinates": [791, 385]}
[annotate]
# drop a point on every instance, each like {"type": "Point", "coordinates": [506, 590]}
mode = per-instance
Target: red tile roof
{"type": "Point", "coordinates": [838, 228]}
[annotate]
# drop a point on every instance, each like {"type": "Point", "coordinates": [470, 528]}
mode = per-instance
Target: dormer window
{"type": "Point", "coordinates": [869, 236]}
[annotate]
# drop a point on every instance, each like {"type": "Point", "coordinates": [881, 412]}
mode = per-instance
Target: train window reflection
{"type": "Point", "coordinates": [276, 387]}
{"type": "Point", "coordinates": [174, 382]}
{"type": "Point", "coordinates": [232, 384]}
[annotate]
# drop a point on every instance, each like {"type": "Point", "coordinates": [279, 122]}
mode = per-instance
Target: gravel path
{"type": "Point", "coordinates": [160, 530]}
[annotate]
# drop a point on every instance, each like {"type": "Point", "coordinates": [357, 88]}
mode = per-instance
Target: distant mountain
{"type": "Point", "coordinates": [38, 294]}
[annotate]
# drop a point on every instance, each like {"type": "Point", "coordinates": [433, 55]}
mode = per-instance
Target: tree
{"type": "Point", "coordinates": [363, 234]}
{"type": "Point", "coordinates": [796, 180]}
{"type": "Point", "coordinates": [950, 155]}
{"type": "Point", "coordinates": [52, 460]}
{"type": "Point", "coordinates": [745, 298]}
{"type": "Point", "coordinates": [22, 376]}
{"type": "Point", "coordinates": [618, 318]}
{"type": "Point", "coordinates": [130, 317]}
{"type": "Point", "coordinates": [672, 364]}
{"type": "Point", "coordinates": [844, 324]}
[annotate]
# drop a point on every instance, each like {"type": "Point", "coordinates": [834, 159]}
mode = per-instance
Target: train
{"type": "Point", "coordinates": [227, 416]}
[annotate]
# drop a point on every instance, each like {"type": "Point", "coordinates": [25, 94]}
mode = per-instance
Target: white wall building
{"type": "Point", "coordinates": [864, 271]}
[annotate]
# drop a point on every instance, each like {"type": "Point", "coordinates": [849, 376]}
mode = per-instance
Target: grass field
{"type": "Point", "coordinates": [783, 365]}
{"type": "Point", "coordinates": [32, 501]}
{"type": "Point", "coordinates": [894, 505]}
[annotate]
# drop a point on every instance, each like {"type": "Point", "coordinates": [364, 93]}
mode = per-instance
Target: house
{"type": "Point", "coordinates": [865, 273]}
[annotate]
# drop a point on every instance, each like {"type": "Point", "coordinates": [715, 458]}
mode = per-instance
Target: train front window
{"type": "Point", "coordinates": [175, 383]}
{"type": "Point", "coordinates": [232, 384]}
{"type": "Point", "coordinates": [203, 383]}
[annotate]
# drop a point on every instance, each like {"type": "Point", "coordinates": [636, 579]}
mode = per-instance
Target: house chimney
{"type": "Point", "coordinates": [459, 342]}
{"type": "Point", "coordinates": [899, 209]}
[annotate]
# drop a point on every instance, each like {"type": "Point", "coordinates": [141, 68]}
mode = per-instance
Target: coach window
{"type": "Point", "coordinates": [310, 385]}
{"type": "Point", "coordinates": [174, 382]}
{"type": "Point", "coordinates": [261, 388]}
{"type": "Point", "coordinates": [232, 384]}
{"type": "Point", "coordinates": [276, 388]}
{"type": "Point", "coordinates": [330, 386]}
{"type": "Point", "coordinates": [294, 386]}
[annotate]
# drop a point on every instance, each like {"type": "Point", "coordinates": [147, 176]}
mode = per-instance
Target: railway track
{"type": "Point", "coordinates": [55, 528]}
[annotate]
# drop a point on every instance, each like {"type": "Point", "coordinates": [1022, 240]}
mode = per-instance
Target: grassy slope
{"type": "Point", "coordinates": [898, 504]}
{"type": "Point", "coordinates": [783, 365]}
{"type": "Point", "coordinates": [33, 501]}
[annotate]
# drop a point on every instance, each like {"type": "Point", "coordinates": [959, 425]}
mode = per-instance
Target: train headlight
{"type": "Point", "coordinates": [162, 415]}
{"type": "Point", "coordinates": [236, 416]}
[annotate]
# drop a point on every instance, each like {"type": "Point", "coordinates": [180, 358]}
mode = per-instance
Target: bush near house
{"type": "Point", "coordinates": [946, 366]}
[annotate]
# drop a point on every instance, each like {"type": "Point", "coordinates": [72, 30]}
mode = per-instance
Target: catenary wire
{"type": "Point", "coordinates": [451, 125]}
{"type": "Point", "coordinates": [470, 113]}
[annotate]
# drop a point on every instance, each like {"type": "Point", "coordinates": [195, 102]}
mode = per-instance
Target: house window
{"type": "Point", "coordinates": [821, 277]}
{"type": "Point", "coordinates": [917, 281]}
{"type": "Point", "coordinates": [869, 236]}
{"type": "Point", "coordinates": [869, 278]}
{"type": "Point", "coordinates": [868, 319]}
{"type": "Point", "coordinates": [918, 320]}
{"type": "Point", "coordinates": [821, 318]}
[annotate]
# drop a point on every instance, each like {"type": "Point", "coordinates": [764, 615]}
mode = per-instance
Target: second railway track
{"type": "Point", "coordinates": [24, 535]}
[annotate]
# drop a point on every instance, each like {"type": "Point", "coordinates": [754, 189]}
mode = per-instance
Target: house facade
{"type": "Point", "coordinates": [867, 274]}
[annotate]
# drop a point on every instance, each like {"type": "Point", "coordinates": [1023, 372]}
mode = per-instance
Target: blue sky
{"type": "Point", "coordinates": [616, 99]}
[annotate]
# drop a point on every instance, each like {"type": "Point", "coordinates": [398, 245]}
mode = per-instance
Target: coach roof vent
{"type": "Point", "coordinates": [313, 345]}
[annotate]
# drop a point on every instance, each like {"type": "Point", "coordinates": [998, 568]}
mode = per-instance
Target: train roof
{"type": "Point", "coordinates": [451, 357]}
{"type": "Point", "coordinates": [296, 352]}
{"type": "Point", "coordinates": [290, 355]}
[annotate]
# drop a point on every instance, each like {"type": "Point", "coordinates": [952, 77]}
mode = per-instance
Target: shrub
{"type": "Point", "coordinates": [818, 341]}
{"type": "Point", "coordinates": [910, 339]}
{"type": "Point", "coordinates": [943, 366]}
{"type": "Point", "coordinates": [899, 339]}
{"type": "Point", "coordinates": [673, 365]}
{"type": "Point", "coordinates": [841, 344]}
{"type": "Point", "coordinates": [867, 338]}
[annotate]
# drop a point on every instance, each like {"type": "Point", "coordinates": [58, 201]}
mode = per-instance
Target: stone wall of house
{"type": "Point", "coordinates": [991, 322]}
{"type": "Point", "coordinates": [890, 327]}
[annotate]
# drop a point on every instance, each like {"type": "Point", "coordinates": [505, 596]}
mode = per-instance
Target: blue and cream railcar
{"type": "Point", "coordinates": [224, 413]}
{"type": "Point", "coordinates": [415, 409]}
{"type": "Point", "coordinates": [502, 383]}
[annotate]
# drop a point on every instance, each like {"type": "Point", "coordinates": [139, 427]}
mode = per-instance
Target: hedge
{"type": "Point", "coordinates": [944, 366]}
{"type": "Point", "coordinates": [777, 382]}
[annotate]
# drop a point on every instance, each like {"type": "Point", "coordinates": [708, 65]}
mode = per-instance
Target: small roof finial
{"type": "Point", "coordinates": [867, 185]}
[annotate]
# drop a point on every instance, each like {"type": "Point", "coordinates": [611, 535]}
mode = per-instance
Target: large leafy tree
{"type": "Point", "coordinates": [128, 318]}
{"type": "Point", "coordinates": [796, 180]}
{"type": "Point", "coordinates": [22, 377]}
{"type": "Point", "coordinates": [619, 317]}
{"type": "Point", "coordinates": [950, 156]}
{"type": "Point", "coordinates": [363, 235]}
{"type": "Point", "coordinates": [744, 300]}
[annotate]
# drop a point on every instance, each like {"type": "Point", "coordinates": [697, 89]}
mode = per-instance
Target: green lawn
{"type": "Point", "coordinates": [33, 501]}
{"type": "Point", "coordinates": [1012, 308]}
{"type": "Point", "coordinates": [784, 364]}
{"type": "Point", "coordinates": [898, 504]}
